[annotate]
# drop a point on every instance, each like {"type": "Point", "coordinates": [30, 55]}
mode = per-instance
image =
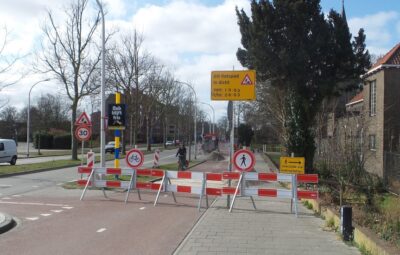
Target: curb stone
{"type": "Point", "coordinates": [6, 222]}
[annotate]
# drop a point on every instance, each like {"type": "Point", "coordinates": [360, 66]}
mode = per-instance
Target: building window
{"type": "Point", "coordinates": [372, 98]}
{"type": "Point", "coordinates": [372, 142]}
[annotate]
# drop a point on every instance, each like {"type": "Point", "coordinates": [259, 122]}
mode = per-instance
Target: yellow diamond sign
{"type": "Point", "coordinates": [233, 85]}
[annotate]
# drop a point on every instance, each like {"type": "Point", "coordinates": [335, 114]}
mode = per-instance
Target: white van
{"type": "Point", "coordinates": [8, 151]}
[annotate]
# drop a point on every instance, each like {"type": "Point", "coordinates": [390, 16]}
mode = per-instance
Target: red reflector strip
{"type": "Point", "coordinates": [143, 185]}
{"type": "Point", "coordinates": [267, 192]}
{"type": "Point", "coordinates": [184, 175]}
{"type": "Point", "coordinates": [214, 177]}
{"type": "Point", "coordinates": [213, 191]}
{"type": "Point", "coordinates": [185, 189]}
{"type": "Point", "coordinates": [155, 186]}
{"type": "Point", "coordinates": [157, 173]}
{"type": "Point", "coordinates": [307, 194]}
{"type": "Point", "coordinates": [231, 175]}
{"type": "Point", "coordinates": [307, 178]}
{"type": "Point", "coordinates": [84, 170]}
{"type": "Point", "coordinates": [113, 170]}
{"type": "Point", "coordinates": [267, 177]}
{"type": "Point", "coordinates": [83, 182]}
{"type": "Point", "coordinates": [146, 172]}
{"type": "Point", "coordinates": [229, 190]}
{"type": "Point", "coordinates": [113, 184]}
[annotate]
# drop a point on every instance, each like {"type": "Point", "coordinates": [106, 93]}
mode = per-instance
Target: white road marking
{"type": "Point", "coordinates": [5, 185]}
{"type": "Point", "coordinates": [142, 208]}
{"type": "Point", "coordinates": [56, 211]}
{"type": "Point", "coordinates": [16, 195]}
{"type": "Point", "coordinates": [45, 214]}
{"type": "Point", "coordinates": [101, 230]}
{"type": "Point", "coordinates": [59, 184]}
{"type": "Point", "coordinates": [32, 218]}
{"type": "Point", "coordinates": [165, 195]}
{"type": "Point", "coordinates": [35, 186]}
{"type": "Point", "coordinates": [6, 198]}
{"type": "Point", "coordinates": [27, 203]}
{"type": "Point", "coordinates": [67, 207]}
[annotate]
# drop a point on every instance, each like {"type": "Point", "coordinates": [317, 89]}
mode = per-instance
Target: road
{"type": "Point", "coordinates": [52, 220]}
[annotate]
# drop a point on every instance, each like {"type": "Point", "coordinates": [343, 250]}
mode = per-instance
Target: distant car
{"type": "Point", "coordinates": [169, 143]}
{"type": "Point", "coordinates": [8, 151]}
{"type": "Point", "coordinates": [110, 147]}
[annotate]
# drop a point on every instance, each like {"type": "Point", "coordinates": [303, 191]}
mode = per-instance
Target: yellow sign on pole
{"type": "Point", "coordinates": [289, 165]}
{"type": "Point", "coordinates": [233, 85]}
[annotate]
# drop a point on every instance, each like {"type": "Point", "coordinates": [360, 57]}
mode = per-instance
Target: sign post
{"type": "Point", "coordinates": [244, 161]}
{"type": "Point", "coordinates": [233, 86]}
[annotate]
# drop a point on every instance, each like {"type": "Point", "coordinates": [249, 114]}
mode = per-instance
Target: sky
{"type": "Point", "coordinates": [190, 37]}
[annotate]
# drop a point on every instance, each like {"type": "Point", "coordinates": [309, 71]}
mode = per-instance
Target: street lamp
{"type": "Point", "coordinates": [103, 103]}
{"type": "Point", "coordinates": [195, 119]}
{"type": "Point", "coordinates": [28, 122]}
{"type": "Point", "coordinates": [212, 108]}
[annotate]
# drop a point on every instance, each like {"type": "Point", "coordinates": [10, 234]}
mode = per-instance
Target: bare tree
{"type": "Point", "coordinates": [7, 64]}
{"type": "Point", "coordinates": [128, 67]}
{"type": "Point", "coordinates": [68, 55]}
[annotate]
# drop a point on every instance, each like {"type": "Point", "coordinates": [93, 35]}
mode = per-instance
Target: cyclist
{"type": "Point", "coordinates": [182, 157]}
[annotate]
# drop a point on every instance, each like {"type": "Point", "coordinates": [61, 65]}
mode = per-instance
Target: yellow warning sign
{"type": "Point", "coordinates": [233, 85]}
{"type": "Point", "coordinates": [289, 165]}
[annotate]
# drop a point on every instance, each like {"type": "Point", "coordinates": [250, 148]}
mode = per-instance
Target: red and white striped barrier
{"type": "Point", "coordinates": [156, 159]}
{"type": "Point", "coordinates": [90, 159]}
{"type": "Point", "coordinates": [197, 183]}
{"type": "Point", "coordinates": [99, 183]}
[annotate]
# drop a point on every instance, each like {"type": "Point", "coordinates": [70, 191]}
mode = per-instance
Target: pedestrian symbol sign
{"type": "Point", "coordinates": [244, 160]}
{"type": "Point", "coordinates": [83, 120]}
{"type": "Point", "coordinates": [247, 80]}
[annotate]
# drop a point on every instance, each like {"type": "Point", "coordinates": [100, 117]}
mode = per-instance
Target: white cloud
{"type": "Point", "coordinates": [380, 34]}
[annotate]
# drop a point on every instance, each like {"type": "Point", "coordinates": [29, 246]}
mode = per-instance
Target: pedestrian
{"type": "Point", "coordinates": [181, 153]}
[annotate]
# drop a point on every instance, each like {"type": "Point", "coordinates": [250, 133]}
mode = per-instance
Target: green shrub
{"type": "Point", "coordinates": [62, 142]}
{"type": "Point", "coordinates": [46, 140]}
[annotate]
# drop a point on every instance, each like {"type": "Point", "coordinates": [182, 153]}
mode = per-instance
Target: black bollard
{"type": "Point", "coordinates": [346, 227]}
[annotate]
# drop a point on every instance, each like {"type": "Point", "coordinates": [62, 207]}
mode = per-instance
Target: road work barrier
{"type": "Point", "coordinates": [203, 184]}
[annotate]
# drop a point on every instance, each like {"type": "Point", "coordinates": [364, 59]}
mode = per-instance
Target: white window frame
{"type": "Point", "coordinates": [372, 98]}
{"type": "Point", "coordinates": [372, 142]}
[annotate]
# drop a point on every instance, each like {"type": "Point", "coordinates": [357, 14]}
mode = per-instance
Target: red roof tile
{"type": "Point", "coordinates": [357, 98]}
{"type": "Point", "coordinates": [390, 58]}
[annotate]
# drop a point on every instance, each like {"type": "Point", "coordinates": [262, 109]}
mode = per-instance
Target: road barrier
{"type": "Point", "coordinates": [200, 184]}
{"type": "Point", "coordinates": [156, 163]}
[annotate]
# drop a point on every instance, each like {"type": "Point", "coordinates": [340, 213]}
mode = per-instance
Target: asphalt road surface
{"type": "Point", "coordinates": [52, 220]}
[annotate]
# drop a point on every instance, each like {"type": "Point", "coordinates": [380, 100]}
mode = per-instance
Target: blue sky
{"type": "Point", "coordinates": [190, 37]}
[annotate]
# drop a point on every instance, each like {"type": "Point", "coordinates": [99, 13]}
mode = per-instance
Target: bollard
{"type": "Point", "coordinates": [346, 222]}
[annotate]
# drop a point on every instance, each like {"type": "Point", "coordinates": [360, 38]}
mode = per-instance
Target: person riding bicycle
{"type": "Point", "coordinates": [182, 157]}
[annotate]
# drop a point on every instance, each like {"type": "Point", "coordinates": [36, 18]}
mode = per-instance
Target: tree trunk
{"type": "Point", "coordinates": [74, 141]}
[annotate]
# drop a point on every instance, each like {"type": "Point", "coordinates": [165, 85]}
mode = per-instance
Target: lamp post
{"type": "Point", "coordinates": [103, 103]}
{"type": "Point", "coordinates": [212, 108]}
{"type": "Point", "coordinates": [195, 119]}
{"type": "Point", "coordinates": [28, 121]}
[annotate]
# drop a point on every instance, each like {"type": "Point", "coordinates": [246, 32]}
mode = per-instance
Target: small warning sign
{"type": "Point", "coordinates": [247, 80]}
{"type": "Point", "coordinates": [83, 120]}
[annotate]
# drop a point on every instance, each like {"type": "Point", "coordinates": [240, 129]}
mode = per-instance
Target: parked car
{"type": "Point", "coordinates": [8, 151]}
{"type": "Point", "coordinates": [110, 147]}
{"type": "Point", "coordinates": [169, 143]}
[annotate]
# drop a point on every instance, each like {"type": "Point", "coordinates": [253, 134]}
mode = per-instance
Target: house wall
{"type": "Point", "coordinates": [375, 124]}
{"type": "Point", "coordinates": [392, 109]}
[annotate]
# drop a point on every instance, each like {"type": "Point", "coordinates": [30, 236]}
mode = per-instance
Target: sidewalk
{"type": "Point", "coordinates": [271, 229]}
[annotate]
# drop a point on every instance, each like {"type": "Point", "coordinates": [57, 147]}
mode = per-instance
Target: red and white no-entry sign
{"type": "Point", "coordinates": [244, 160]}
{"type": "Point", "coordinates": [83, 133]}
{"type": "Point", "coordinates": [134, 158]}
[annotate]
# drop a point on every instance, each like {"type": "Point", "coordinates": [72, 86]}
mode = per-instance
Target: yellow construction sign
{"type": "Point", "coordinates": [233, 85]}
{"type": "Point", "coordinates": [289, 165]}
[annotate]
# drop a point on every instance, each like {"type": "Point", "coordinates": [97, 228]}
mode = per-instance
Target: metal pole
{"type": "Point", "coordinates": [232, 138]}
{"type": "Point", "coordinates": [195, 118]}
{"type": "Point", "coordinates": [213, 121]}
{"type": "Point", "coordinates": [103, 103]}
{"type": "Point", "coordinates": [28, 121]}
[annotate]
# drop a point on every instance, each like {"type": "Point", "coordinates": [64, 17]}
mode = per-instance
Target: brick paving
{"type": "Point", "coordinates": [271, 229]}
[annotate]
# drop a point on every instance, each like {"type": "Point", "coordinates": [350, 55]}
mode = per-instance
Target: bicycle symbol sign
{"type": "Point", "coordinates": [134, 158]}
